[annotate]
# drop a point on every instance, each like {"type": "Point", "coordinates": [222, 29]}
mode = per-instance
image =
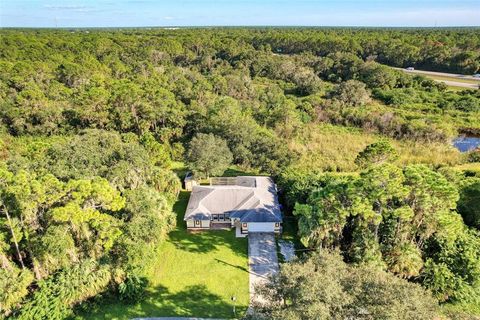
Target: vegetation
{"type": "Point", "coordinates": [93, 125]}
{"type": "Point", "coordinates": [324, 287]}
{"type": "Point", "coordinates": [208, 155]}
{"type": "Point", "coordinates": [192, 275]}
{"type": "Point", "coordinates": [376, 153]}
{"type": "Point", "coordinates": [400, 220]}
{"type": "Point", "coordinates": [468, 205]}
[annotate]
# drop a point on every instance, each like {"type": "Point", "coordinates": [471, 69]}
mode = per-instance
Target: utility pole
{"type": "Point", "coordinates": [234, 299]}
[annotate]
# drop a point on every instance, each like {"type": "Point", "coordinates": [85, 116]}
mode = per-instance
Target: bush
{"type": "Point", "coordinates": [132, 289]}
{"type": "Point", "coordinates": [376, 153]}
{"type": "Point", "coordinates": [474, 155]}
{"type": "Point", "coordinates": [469, 203]}
{"type": "Point", "coordinates": [323, 286]}
{"type": "Point", "coordinates": [352, 93]}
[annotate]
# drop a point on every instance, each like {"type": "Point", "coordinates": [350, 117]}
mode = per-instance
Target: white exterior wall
{"type": "Point", "coordinates": [203, 224]}
{"type": "Point", "coordinates": [261, 226]}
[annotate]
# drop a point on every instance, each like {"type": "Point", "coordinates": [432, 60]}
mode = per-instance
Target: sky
{"type": "Point", "coordinates": [144, 13]}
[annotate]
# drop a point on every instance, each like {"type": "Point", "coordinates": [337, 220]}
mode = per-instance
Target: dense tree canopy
{"type": "Point", "coordinates": [401, 220]}
{"type": "Point", "coordinates": [324, 287]}
{"type": "Point", "coordinates": [208, 155]}
{"type": "Point", "coordinates": [91, 205]}
{"type": "Point", "coordinates": [93, 122]}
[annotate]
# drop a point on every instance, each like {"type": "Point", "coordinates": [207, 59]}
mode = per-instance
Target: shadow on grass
{"type": "Point", "coordinates": [193, 301]}
{"type": "Point", "coordinates": [181, 206]}
{"type": "Point", "coordinates": [232, 265]}
{"type": "Point", "coordinates": [205, 241]}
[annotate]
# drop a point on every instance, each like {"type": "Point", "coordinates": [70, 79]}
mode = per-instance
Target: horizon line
{"type": "Point", "coordinates": [244, 26]}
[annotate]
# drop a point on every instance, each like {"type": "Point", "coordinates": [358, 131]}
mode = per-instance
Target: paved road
{"type": "Point", "coordinates": [443, 74]}
{"type": "Point", "coordinates": [262, 262]}
{"type": "Point", "coordinates": [451, 81]}
{"type": "Point", "coordinates": [459, 84]}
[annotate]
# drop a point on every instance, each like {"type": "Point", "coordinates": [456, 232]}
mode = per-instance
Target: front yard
{"type": "Point", "coordinates": [196, 275]}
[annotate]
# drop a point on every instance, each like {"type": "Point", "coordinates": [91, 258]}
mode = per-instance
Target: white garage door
{"type": "Point", "coordinates": [261, 227]}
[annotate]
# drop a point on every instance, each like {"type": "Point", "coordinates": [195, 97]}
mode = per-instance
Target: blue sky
{"type": "Point", "coordinates": [131, 13]}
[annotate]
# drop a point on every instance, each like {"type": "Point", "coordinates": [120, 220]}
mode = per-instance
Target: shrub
{"type": "Point", "coordinates": [132, 289]}
{"type": "Point", "coordinates": [376, 153]}
{"type": "Point", "coordinates": [352, 93]}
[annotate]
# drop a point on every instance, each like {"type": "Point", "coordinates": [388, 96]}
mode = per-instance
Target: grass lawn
{"type": "Point", "coordinates": [196, 275]}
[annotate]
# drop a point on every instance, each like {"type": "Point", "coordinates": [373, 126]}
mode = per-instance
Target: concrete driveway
{"type": "Point", "coordinates": [262, 261]}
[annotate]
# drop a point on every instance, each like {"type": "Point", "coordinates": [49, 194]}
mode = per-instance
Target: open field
{"type": "Point", "coordinates": [196, 275]}
{"type": "Point", "coordinates": [322, 147]}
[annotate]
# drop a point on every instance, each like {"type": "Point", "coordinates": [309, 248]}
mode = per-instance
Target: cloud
{"type": "Point", "coordinates": [74, 8]}
{"type": "Point", "coordinates": [168, 18]}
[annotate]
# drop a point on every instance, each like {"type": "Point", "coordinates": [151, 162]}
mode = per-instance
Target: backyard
{"type": "Point", "coordinates": [196, 274]}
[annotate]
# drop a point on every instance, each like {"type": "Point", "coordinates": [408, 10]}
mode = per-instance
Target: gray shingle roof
{"type": "Point", "coordinates": [252, 199]}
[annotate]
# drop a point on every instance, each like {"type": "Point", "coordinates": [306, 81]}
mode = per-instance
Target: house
{"type": "Point", "coordinates": [249, 204]}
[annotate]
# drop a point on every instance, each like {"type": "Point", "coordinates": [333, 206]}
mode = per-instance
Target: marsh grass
{"type": "Point", "coordinates": [334, 148]}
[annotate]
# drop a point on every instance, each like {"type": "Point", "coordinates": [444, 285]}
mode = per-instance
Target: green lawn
{"type": "Point", "coordinates": [196, 274]}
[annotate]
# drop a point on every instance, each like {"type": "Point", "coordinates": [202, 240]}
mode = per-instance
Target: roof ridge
{"type": "Point", "coordinates": [252, 211]}
{"type": "Point", "coordinates": [241, 204]}
{"type": "Point", "coordinates": [201, 206]}
{"type": "Point", "coordinates": [210, 191]}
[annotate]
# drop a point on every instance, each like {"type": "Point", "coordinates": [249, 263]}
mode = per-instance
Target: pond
{"type": "Point", "coordinates": [466, 143]}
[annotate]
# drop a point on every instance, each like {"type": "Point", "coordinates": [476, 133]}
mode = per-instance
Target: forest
{"type": "Point", "coordinates": [94, 124]}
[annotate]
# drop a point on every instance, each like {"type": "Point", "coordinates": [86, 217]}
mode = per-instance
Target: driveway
{"type": "Point", "coordinates": [262, 261]}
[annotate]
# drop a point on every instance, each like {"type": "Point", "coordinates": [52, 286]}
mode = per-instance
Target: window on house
{"type": "Point", "coordinates": [277, 224]}
{"type": "Point", "coordinates": [244, 225]}
{"type": "Point", "coordinates": [197, 222]}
